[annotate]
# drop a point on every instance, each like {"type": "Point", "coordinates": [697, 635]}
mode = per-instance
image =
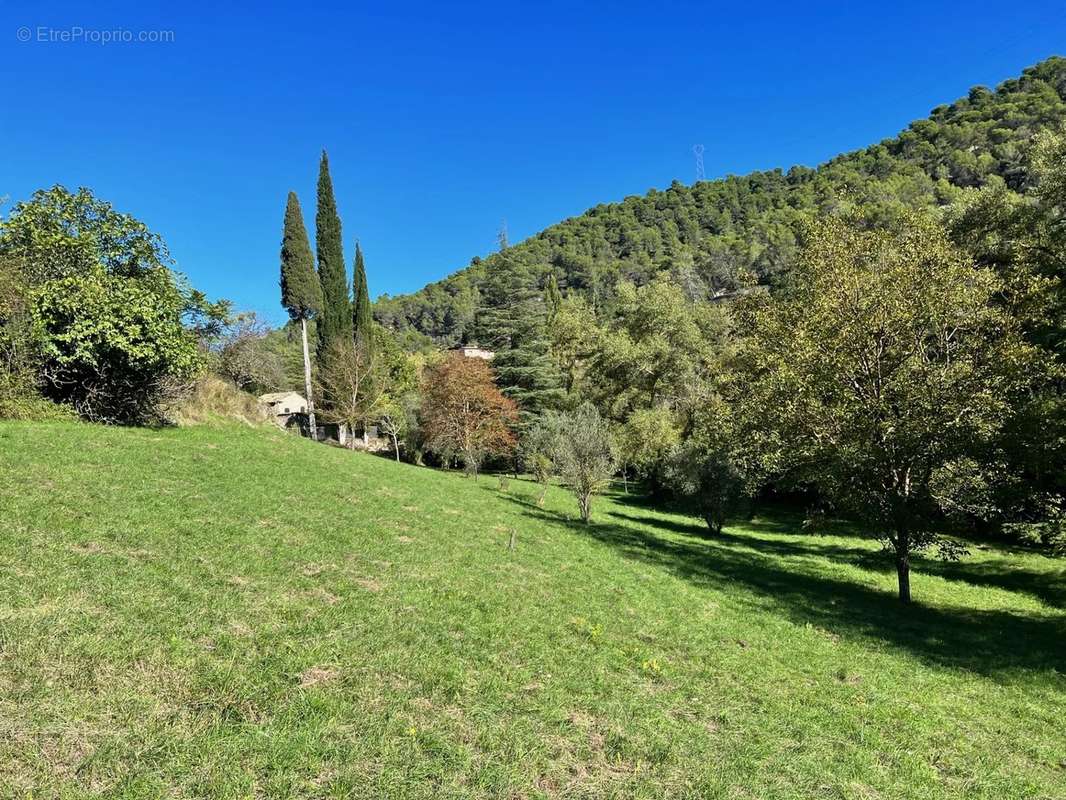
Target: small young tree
{"type": "Point", "coordinates": [397, 418]}
{"type": "Point", "coordinates": [464, 412]}
{"type": "Point", "coordinates": [362, 384]}
{"type": "Point", "coordinates": [583, 453]}
{"type": "Point", "coordinates": [301, 294]}
{"type": "Point", "coordinates": [886, 367]}
{"type": "Point", "coordinates": [537, 451]}
{"type": "Point", "coordinates": [703, 470]}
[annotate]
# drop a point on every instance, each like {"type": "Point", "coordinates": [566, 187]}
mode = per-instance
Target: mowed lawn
{"type": "Point", "coordinates": [237, 613]}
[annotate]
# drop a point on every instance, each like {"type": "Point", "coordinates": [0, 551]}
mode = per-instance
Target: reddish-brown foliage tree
{"type": "Point", "coordinates": [463, 413]}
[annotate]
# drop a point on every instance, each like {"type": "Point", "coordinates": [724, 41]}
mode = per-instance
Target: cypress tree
{"type": "Point", "coordinates": [362, 320]}
{"type": "Point", "coordinates": [335, 321]}
{"type": "Point", "coordinates": [301, 294]}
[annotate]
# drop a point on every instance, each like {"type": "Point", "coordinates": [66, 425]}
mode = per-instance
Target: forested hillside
{"type": "Point", "coordinates": [716, 235]}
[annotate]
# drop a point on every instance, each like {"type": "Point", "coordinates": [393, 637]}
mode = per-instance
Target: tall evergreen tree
{"type": "Point", "coordinates": [335, 320]}
{"type": "Point", "coordinates": [513, 322]}
{"type": "Point", "coordinates": [301, 294]}
{"type": "Point", "coordinates": [362, 320]}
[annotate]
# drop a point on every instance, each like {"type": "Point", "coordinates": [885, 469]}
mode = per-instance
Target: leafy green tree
{"type": "Point", "coordinates": [362, 320]}
{"type": "Point", "coordinates": [1023, 238]}
{"type": "Point", "coordinates": [646, 438]}
{"type": "Point", "coordinates": [646, 363]}
{"type": "Point", "coordinates": [399, 417]}
{"type": "Point", "coordinates": [658, 345]}
{"type": "Point", "coordinates": [301, 294]}
{"type": "Point", "coordinates": [117, 333]}
{"type": "Point", "coordinates": [885, 368]}
{"type": "Point", "coordinates": [114, 348]}
{"type": "Point", "coordinates": [20, 350]}
{"type": "Point", "coordinates": [574, 339]}
{"type": "Point", "coordinates": [335, 319]}
{"type": "Point", "coordinates": [18, 342]}
{"type": "Point", "coordinates": [537, 451]}
{"type": "Point", "coordinates": [60, 234]}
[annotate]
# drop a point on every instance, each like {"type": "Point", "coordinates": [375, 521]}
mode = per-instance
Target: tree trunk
{"type": "Point", "coordinates": [903, 566]}
{"type": "Point", "coordinates": [713, 523]}
{"type": "Point", "coordinates": [396, 447]}
{"type": "Point", "coordinates": [585, 502]}
{"type": "Point", "coordinates": [307, 382]}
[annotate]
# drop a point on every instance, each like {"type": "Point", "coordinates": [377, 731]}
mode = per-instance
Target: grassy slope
{"type": "Point", "coordinates": [181, 616]}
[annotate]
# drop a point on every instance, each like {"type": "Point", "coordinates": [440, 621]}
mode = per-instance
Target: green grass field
{"type": "Point", "coordinates": [237, 613]}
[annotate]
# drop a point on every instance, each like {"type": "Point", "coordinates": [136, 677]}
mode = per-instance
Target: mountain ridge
{"type": "Point", "coordinates": [710, 234]}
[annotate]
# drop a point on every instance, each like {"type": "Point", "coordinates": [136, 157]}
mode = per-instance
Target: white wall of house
{"type": "Point", "coordinates": [284, 403]}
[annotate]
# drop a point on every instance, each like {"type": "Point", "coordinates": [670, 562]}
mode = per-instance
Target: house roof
{"type": "Point", "coordinates": [278, 397]}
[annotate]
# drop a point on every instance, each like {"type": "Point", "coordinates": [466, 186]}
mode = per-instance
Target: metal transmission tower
{"type": "Point", "coordinates": [501, 236]}
{"type": "Point", "coordinates": [697, 150]}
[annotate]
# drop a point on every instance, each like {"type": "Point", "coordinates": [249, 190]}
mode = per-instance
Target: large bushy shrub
{"type": "Point", "coordinates": [91, 314]}
{"type": "Point", "coordinates": [115, 349]}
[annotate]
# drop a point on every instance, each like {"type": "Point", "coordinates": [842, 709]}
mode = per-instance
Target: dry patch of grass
{"type": "Point", "coordinates": [316, 676]}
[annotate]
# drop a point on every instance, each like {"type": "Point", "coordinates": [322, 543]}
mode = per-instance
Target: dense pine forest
{"type": "Point", "coordinates": [715, 236]}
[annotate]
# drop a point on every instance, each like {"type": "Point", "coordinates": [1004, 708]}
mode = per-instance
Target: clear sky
{"type": "Point", "coordinates": [443, 119]}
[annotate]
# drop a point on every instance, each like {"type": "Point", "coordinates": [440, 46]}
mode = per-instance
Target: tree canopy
{"type": "Point", "coordinates": [884, 377]}
{"type": "Point", "coordinates": [464, 413]}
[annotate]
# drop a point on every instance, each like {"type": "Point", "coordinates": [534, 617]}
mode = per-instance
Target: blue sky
{"type": "Point", "coordinates": [443, 119]}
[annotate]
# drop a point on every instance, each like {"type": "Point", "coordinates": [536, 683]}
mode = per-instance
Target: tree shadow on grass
{"type": "Point", "coordinates": [999, 573]}
{"type": "Point", "coordinates": [990, 642]}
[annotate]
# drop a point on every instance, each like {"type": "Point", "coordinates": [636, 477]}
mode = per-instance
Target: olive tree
{"type": "Point", "coordinates": [537, 452]}
{"type": "Point", "coordinates": [583, 453]}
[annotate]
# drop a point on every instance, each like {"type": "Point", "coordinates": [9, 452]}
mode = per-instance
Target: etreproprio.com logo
{"type": "Point", "coordinates": [76, 34]}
